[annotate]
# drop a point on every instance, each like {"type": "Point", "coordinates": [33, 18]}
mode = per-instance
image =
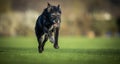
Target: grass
{"type": "Point", "coordinates": [73, 50]}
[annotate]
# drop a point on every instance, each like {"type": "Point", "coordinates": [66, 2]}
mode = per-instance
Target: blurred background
{"type": "Point", "coordinates": [89, 33]}
{"type": "Point", "coordinates": [90, 18]}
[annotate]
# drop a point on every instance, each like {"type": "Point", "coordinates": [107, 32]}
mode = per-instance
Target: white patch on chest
{"type": "Point", "coordinates": [51, 28]}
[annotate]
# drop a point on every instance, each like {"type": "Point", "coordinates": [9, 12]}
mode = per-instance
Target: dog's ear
{"type": "Point", "coordinates": [49, 7]}
{"type": "Point", "coordinates": [58, 6]}
{"type": "Point", "coordinates": [49, 4]}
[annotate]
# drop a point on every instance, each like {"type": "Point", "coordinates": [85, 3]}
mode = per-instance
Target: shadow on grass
{"type": "Point", "coordinates": [87, 51]}
{"type": "Point", "coordinates": [51, 50]}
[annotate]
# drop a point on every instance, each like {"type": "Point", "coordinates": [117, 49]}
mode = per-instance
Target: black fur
{"type": "Point", "coordinates": [47, 25]}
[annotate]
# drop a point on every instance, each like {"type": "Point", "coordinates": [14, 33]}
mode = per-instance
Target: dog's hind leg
{"type": "Point", "coordinates": [44, 41]}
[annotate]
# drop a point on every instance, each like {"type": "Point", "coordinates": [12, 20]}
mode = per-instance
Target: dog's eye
{"type": "Point", "coordinates": [53, 15]}
{"type": "Point", "coordinates": [58, 15]}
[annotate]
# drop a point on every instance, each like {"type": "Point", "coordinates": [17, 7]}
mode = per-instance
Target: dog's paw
{"type": "Point", "coordinates": [40, 50]}
{"type": "Point", "coordinates": [56, 46]}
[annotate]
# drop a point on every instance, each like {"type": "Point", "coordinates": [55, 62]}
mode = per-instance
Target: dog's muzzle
{"type": "Point", "coordinates": [56, 23]}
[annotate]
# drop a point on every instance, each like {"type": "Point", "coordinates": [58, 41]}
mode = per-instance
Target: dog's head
{"type": "Point", "coordinates": [54, 14]}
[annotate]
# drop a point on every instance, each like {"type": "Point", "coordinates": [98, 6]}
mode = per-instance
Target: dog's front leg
{"type": "Point", "coordinates": [56, 35]}
{"type": "Point", "coordinates": [45, 30]}
{"type": "Point", "coordinates": [40, 39]}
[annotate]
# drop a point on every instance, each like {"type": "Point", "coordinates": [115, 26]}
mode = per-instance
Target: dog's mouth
{"type": "Point", "coordinates": [56, 23]}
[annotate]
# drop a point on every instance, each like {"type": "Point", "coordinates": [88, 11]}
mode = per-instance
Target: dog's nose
{"type": "Point", "coordinates": [57, 20]}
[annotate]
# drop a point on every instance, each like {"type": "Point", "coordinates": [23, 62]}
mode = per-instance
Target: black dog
{"type": "Point", "coordinates": [47, 26]}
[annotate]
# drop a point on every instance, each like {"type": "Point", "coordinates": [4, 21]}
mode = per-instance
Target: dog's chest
{"type": "Point", "coordinates": [51, 28]}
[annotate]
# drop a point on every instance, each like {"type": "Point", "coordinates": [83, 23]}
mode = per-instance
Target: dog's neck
{"type": "Point", "coordinates": [45, 14]}
{"type": "Point", "coordinates": [46, 18]}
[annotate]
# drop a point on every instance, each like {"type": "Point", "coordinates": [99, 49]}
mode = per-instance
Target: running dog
{"type": "Point", "coordinates": [47, 26]}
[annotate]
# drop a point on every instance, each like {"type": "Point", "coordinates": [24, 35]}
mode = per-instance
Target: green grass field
{"type": "Point", "coordinates": [73, 50]}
